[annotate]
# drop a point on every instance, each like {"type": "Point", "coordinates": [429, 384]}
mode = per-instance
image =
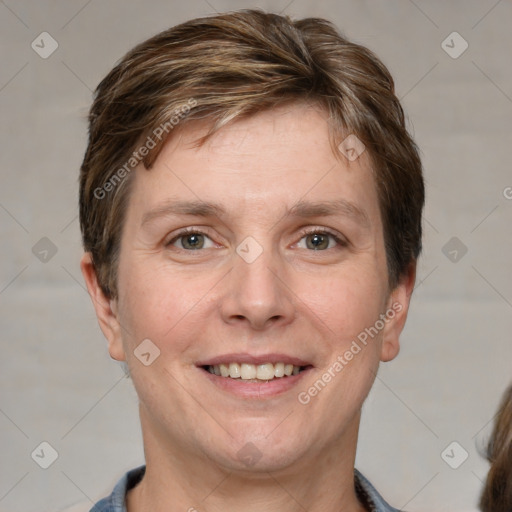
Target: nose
{"type": "Point", "coordinates": [256, 293]}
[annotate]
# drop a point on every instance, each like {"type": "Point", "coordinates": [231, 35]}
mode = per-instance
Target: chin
{"type": "Point", "coordinates": [258, 453]}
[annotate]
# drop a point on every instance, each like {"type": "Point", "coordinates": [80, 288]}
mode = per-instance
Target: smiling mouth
{"type": "Point", "coordinates": [255, 372]}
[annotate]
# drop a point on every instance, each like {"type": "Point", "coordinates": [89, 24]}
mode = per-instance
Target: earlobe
{"type": "Point", "coordinates": [105, 309]}
{"type": "Point", "coordinates": [396, 314]}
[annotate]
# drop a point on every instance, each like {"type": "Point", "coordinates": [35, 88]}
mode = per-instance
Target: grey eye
{"type": "Point", "coordinates": [317, 241]}
{"type": "Point", "coordinates": [191, 241]}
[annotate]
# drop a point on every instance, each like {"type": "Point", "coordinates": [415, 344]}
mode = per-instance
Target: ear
{"type": "Point", "coordinates": [396, 314]}
{"type": "Point", "coordinates": [106, 309]}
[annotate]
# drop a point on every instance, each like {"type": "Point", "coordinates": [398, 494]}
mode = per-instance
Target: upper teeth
{"type": "Point", "coordinates": [248, 371]}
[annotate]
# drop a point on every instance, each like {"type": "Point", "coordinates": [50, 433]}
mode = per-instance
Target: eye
{"type": "Point", "coordinates": [191, 240]}
{"type": "Point", "coordinates": [320, 240]}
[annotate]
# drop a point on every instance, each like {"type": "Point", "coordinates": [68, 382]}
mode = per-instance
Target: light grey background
{"type": "Point", "coordinates": [57, 381]}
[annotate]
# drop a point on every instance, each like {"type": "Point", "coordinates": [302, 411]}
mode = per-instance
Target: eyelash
{"type": "Point", "coordinates": [309, 231]}
{"type": "Point", "coordinates": [323, 231]}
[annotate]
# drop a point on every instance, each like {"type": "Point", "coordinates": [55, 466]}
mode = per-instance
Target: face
{"type": "Point", "coordinates": [257, 254]}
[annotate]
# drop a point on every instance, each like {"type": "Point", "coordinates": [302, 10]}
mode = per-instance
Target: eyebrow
{"type": "Point", "coordinates": [341, 207]}
{"type": "Point", "coordinates": [302, 209]}
{"type": "Point", "coordinates": [194, 208]}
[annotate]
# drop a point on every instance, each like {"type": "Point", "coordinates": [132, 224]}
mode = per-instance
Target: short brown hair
{"type": "Point", "coordinates": [233, 65]}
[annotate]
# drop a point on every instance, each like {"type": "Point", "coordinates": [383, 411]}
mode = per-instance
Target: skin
{"type": "Point", "coordinates": [199, 304]}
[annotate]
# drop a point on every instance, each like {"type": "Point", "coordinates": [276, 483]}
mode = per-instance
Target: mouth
{"type": "Point", "coordinates": [248, 376]}
{"type": "Point", "coordinates": [255, 373]}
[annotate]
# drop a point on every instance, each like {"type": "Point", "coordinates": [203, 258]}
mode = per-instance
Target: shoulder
{"type": "Point", "coordinates": [369, 495]}
{"type": "Point", "coordinates": [83, 506]}
{"type": "Point", "coordinates": [116, 501]}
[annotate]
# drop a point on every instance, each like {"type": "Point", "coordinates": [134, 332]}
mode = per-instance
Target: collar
{"type": "Point", "coordinates": [116, 502]}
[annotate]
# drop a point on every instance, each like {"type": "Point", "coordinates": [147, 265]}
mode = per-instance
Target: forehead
{"type": "Point", "coordinates": [272, 160]}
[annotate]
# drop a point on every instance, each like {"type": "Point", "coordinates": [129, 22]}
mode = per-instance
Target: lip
{"type": "Point", "coordinates": [254, 359]}
{"type": "Point", "coordinates": [258, 390]}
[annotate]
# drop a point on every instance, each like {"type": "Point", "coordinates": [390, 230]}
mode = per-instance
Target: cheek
{"type": "Point", "coordinates": [347, 302]}
{"type": "Point", "coordinates": [162, 305]}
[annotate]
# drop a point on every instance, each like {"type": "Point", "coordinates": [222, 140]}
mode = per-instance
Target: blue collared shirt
{"type": "Point", "coordinates": [116, 502]}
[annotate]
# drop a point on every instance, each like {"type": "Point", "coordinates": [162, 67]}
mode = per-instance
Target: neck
{"type": "Point", "coordinates": [186, 482]}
